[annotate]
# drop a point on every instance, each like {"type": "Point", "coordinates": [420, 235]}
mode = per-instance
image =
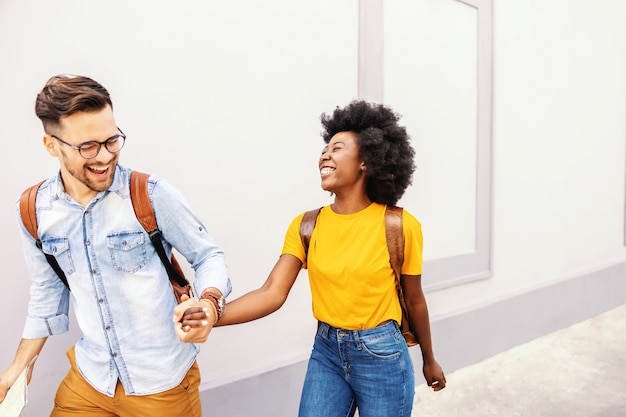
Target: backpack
{"type": "Point", "coordinates": [145, 215]}
{"type": "Point", "coordinates": [395, 246]}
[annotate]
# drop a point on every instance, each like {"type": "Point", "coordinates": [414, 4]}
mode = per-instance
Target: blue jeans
{"type": "Point", "coordinates": [366, 369]}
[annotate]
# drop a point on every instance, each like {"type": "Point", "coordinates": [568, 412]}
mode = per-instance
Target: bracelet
{"type": "Point", "coordinates": [215, 311]}
{"type": "Point", "coordinates": [217, 300]}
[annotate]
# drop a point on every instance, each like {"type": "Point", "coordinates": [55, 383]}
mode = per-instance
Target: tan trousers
{"type": "Point", "coordinates": [75, 397]}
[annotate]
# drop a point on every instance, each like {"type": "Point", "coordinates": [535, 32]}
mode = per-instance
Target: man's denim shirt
{"type": "Point", "coordinates": [120, 291]}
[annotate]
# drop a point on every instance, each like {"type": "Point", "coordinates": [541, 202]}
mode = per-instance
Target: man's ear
{"type": "Point", "coordinates": [50, 144]}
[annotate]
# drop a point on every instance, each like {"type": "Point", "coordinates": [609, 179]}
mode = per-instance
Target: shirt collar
{"type": "Point", "coordinates": [117, 184]}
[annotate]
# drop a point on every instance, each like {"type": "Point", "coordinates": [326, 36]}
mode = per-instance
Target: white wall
{"type": "Point", "coordinates": [558, 151]}
{"type": "Point", "coordinates": [223, 100]}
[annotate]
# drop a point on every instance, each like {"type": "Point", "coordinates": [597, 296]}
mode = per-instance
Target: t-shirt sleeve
{"type": "Point", "coordinates": [413, 244]}
{"type": "Point", "coordinates": [293, 243]}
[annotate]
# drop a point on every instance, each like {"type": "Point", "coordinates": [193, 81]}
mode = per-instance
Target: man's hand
{"type": "Point", "coordinates": [26, 354]}
{"type": "Point", "coordinates": [194, 320]}
{"type": "Point", "coordinates": [4, 387]}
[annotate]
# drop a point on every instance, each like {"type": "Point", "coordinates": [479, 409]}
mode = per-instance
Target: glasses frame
{"type": "Point", "coordinates": [91, 142]}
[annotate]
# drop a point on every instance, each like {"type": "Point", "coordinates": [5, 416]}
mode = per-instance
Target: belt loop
{"type": "Point", "coordinates": [322, 329]}
{"type": "Point", "coordinates": [356, 335]}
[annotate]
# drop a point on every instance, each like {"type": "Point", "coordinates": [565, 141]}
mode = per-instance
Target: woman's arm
{"type": "Point", "coordinates": [267, 298]}
{"type": "Point", "coordinates": [251, 306]}
{"type": "Point", "coordinates": [420, 323]}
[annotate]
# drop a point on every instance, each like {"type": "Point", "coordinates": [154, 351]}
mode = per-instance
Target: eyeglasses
{"type": "Point", "coordinates": [91, 149]}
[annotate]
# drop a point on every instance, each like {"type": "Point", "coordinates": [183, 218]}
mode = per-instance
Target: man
{"type": "Point", "coordinates": [132, 360]}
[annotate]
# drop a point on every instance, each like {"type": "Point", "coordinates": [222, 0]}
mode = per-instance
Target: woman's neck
{"type": "Point", "coordinates": [350, 205]}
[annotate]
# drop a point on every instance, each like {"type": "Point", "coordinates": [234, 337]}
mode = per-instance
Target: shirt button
{"type": "Point", "coordinates": [101, 301]}
{"type": "Point", "coordinates": [87, 243]}
{"type": "Point", "coordinates": [114, 355]}
{"type": "Point", "coordinates": [108, 328]}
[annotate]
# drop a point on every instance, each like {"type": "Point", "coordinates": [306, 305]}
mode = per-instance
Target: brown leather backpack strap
{"type": "Point", "coordinates": [141, 200]}
{"type": "Point", "coordinates": [306, 228]}
{"type": "Point", "coordinates": [145, 215]}
{"type": "Point", "coordinates": [28, 210]}
{"type": "Point", "coordinates": [28, 213]}
{"type": "Point", "coordinates": [395, 245]}
{"type": "Point", "coordinates": [395, 238]}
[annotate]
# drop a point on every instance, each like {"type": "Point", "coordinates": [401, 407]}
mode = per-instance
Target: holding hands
{"type": "Point", "coordinates": [194, 320]}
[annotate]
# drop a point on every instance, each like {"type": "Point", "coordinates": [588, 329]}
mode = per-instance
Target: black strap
{"type": "Point", "coordinates": [28, 213]}
{"type": "Point", "coordinates": [55, 265]}
{"type": "Point", "coordinates": [143, 210]}
{"type": "Point", "coordinates": [156, 239]}
{"type": "Point", "coordinates": [145, 215]}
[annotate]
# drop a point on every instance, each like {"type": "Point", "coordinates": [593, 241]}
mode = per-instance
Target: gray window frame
{"type": "Point", "coordinates": [453, 270]}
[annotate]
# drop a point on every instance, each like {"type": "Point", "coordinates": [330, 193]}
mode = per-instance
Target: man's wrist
{"type": "Point", "coordinates": [217, 300]}
{"type": "Point", "coordinates": [213, 309]}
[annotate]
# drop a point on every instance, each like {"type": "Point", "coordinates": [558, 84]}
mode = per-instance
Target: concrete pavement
{"type": "Point", "coordinates": [579, 371]}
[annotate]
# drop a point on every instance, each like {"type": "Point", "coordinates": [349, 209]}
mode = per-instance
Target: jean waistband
{"type": "Point", "coordinates": [325, 330]}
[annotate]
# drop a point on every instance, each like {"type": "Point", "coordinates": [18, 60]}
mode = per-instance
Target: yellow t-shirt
{"type": "Point", "coordinates": [352, 282]}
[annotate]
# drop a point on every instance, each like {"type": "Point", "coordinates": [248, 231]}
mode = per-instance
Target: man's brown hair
{"type": "Point", "coordinates": [64, 95]}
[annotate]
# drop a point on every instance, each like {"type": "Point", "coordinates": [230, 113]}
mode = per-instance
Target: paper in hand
{"type": "Point", "coordinates": [17, 396]}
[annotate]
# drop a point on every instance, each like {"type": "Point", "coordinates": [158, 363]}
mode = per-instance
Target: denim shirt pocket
{"type": "Point", "coordinates": [59, 247]}
{"type": "Point", "coordinates": [128, 251]}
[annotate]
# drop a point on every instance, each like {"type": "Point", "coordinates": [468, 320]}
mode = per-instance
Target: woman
{"type": "Point", "coordinates": [359, 359]}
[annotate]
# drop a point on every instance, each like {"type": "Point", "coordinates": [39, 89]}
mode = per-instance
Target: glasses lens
{"type": "Point", "coordinates": [89, 149]}
{"type": "Point", "coordinates": [115, 143]}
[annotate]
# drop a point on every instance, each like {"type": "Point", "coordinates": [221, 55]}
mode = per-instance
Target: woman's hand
{"type": "Point", "coordinates": [194, 320]}
{"type": "Point", "coordinates": [434, 376]}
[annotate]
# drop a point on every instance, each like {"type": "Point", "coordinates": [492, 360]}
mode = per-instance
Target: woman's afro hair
{"type": "Point", "coordinates": [384, 147]}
